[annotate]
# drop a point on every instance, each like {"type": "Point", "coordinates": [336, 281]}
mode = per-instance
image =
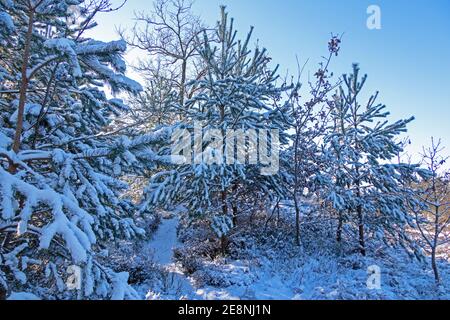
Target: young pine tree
{"type": "Point", "coordinates": [363, 186]}
{"type": "Point", "coordinates": [234, 95]}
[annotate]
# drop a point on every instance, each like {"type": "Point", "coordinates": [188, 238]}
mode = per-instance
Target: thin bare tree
{"type": "Point", "coordinates": [310, 119]}
{"type": "Point", "coordinates": [169, 33]}
{"type": "Point", "coordinates": [433, 221]}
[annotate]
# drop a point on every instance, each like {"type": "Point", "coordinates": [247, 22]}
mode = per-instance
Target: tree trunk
{"type": "Point", "coordinates": [339, 228]}
{"type": "Point", "coordinates": [297, 221]}
{"type": "Point", "coordinates": [436, 236]}
{"type": "Point", "coordinates": [296, 186]}
{"type": "Point", "coordinates": [362, 245]}
{"type": "Point", "coordinates": [223, 238]}
{"type": "Point", "coordinates": [359, 210]}
{"type": "Point", "coordinates": [234, 205]}
{"type": "Point", "coordinates": [23, 90]}
{"type": "Point", "coordinates": [278, 212]}
{"type": "Point", "coordinates": [223, 245]}
{"type": "Point", "coordinates": [224, 203]}
{"type": "Point", "coordinates": [183, 81]}
{"type": "Point", "coordinates": [434, 266]}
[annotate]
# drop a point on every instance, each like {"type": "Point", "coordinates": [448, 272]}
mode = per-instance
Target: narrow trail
{"type": "Point", "coordinates": [164, 240]}
{"type": "Point", "coordinates": [162, 244]}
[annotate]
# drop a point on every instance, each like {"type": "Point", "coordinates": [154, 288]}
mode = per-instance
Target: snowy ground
{"type": "Point", "coordinates": [175, 282]}
{"type": "Point", "coordinates": [162, 245]}
{"type": "Point", "coordinates": [165, 240]}
{"type": "Point", "coordinates": [266, 273]}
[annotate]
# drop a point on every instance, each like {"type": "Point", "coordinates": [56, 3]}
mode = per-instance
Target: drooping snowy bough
{"type": "Point", "coordinates": [63, 152]}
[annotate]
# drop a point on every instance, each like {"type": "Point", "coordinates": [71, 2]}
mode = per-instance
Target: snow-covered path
{"type": "Point", "coordinates": [162, 244]}
{"type": "Point", "coordinates": [164, 240]}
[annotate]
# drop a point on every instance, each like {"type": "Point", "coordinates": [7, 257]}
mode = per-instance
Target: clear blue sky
{"type": "Point", "coordinates": [408, 60]}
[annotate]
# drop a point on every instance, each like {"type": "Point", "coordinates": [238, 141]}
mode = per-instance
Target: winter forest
{"type": "Point", "coordinates": [212, 174]}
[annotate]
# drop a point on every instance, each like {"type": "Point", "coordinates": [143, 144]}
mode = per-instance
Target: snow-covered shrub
{"type": "Point", "coordinates": [134, 256]}
{"type": "Point", "coordinates": [198, 230]}
{"type": "Point", "coordinates": [269, 265]}
{"type": "Point", "coordinates": [191, 258]}
{"type": "Point", "coordinates": [220, 273]}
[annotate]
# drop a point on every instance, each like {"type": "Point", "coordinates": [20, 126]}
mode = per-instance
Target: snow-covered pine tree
{"type": "Point", "coordinates": [235, 94]}
{"type": "Point", "coordinates": [61, 159]}
{"type": "Point", "coordinates": [360, 181]}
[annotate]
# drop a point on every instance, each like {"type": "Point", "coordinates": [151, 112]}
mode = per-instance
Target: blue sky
{"type": "Point", "coordinates": [407, 60]}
